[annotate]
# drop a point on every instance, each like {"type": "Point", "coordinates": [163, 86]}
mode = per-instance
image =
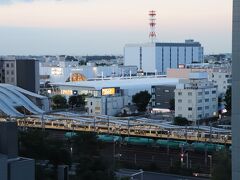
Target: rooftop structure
{"type": "Point", "coordinates": [16, 102]}
{"type": "Point", "coordinates": [133, 84]}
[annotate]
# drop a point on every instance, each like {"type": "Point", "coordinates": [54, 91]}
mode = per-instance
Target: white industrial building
{"type": "Point", "coordinates": [69, 71]}
{"type": "Point", "coordinates": [158, 57]}
{"type": "Point", "coordinates": [196, 98]}
{"type": "Point", "coordinates": [108, 97]}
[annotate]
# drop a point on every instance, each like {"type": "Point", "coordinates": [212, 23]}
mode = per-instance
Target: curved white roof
{"type": "Point", "coordinates": [123, 83]}
{"type": "Point", "coordinates": [12, 97]}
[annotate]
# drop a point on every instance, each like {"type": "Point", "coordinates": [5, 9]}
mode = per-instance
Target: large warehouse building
{"type": "Point", "coordinates": [158, 57]}
{"type": "Point", "coordinates": [108, 97]}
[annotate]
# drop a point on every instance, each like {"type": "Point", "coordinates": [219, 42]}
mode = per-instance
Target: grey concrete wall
{"type": "Point", "coordinates": [236, 92]}
{"type": "Point", "coordinates": [3, 167]}
{"type": "Point", "coordinates": [23, 169]}
{"type": "Point", "coordinates": [9, 139]}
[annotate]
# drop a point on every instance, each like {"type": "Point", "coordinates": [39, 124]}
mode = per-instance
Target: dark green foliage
{"type": "Point", "coordinates": [181, 121]}
{"type": "Point", "coordinates": [38, 144]}
{"type": "Point", "coordinates": [82, 63]}
{"type": "Point", "coordinates": [59, 102]}
{"type": "Point", "coordinates": [141, 100]}
{"type": "Point", "coordinates": [222, 167]}
{"type": "Point", "coordinates": [85, 144]}
{"type": "Point", "coordinates": [77, 101]}
{"type": "Point", "coordinates": [90, 58]}
{"type": "Point", "coordinates": [228, 99]}
{"type": "Point", "coordinates": [86, 151]}
{"type": "Point", "coordinates": [94, 169]}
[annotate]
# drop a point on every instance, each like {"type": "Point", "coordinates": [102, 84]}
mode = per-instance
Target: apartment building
{"type": "Point", "coordinates": [219, 76]}
{"type": "Point", "coordinates": [196, 98]}
{"type": "Point", "coordinates": [21, 72]}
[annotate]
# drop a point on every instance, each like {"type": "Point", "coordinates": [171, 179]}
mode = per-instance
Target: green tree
{"type": "Point", "coordinates": [228, 99]}
{"type": "Point", "coordinates": [181, 121]}
{"type": "Point", "coordinates": [77, 101]}
{"type": "Point", "coordinates": [141, 100]}
{"type": "Point", "coordinates": [85, 144]}
{"type": "Point", "coordinates": [222, 167]}
{"type": "Point", "coordinates": [59, 101]}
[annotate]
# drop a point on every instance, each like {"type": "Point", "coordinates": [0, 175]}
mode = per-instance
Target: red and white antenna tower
{"type": "Point", "coordinates": [152, 18]}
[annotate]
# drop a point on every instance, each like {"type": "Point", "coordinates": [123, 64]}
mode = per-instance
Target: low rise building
{"type": "Point", "coordinates": [196, 98]}
{"type": "Point", "coordinates": [13, 167]}
{"type": "Point", "coordinates": [219, 75]}
{"type": "Point", "coordinates": [105, 105]}
{"type": "Point", "coordinates": [162, 96]}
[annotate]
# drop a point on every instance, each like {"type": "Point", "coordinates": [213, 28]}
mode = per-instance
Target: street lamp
{"type": "Point", "coordinates": [210, 157]}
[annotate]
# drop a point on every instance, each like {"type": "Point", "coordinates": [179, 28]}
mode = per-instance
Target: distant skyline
{"type": "Point", "coordinates": [91, 27]}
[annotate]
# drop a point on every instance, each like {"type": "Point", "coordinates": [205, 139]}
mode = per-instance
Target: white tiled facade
{"type": "Point", "coordinates": [196, 99]}
{"type": "Point", "coordinates": [221, 78]}
{"type": "Point", "coordinates": [105, 105]}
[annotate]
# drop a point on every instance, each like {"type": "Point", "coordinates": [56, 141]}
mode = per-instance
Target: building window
{"type": "Point", "coordinates": [206, 92]}
{"type": "Point", "coordinates": [190, 94]}
{"type": "Point", "coordinates": [7, 65]}
{"type": "Point", "coordinates": [180, 101]}
{"type": "Point", "coordinates": [199, 93]}
{"type": "Point", "coordinates": [206, 100]}
{"type": "Point", "coordinates": [190, 108]}
{"type": "Point", "coordinates": [166, 91]}
{"type": "Point", "coordinates": [214, 99]}
{"type": "Point", "coordinates": [179, 93]}
{"type": "Point", "coordinates": [199, 108]}
{"type": "Point", "coordinates": [214, 92]}
{"type": "Point", "coordinates": [12, 65]}
{"type": "Point", "coordinates": [200, 101]}
{"type": "Point", "coordinates": [91, 103]}
{"type": "Point", "coordinates": [12, 72]}
{"type": "Point", "coordinates": [179, 115]}
{"type": "Point", "coordinates": [206, 107]}
{"type": "Point", "coordinates": [7, 72]}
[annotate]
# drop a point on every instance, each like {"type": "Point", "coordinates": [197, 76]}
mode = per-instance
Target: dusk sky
{"type": "Point", "coordinates": [82, 27]}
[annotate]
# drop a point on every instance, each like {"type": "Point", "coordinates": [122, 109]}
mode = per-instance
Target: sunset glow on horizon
{"type": "Point", "coordinates": [116, 22]}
